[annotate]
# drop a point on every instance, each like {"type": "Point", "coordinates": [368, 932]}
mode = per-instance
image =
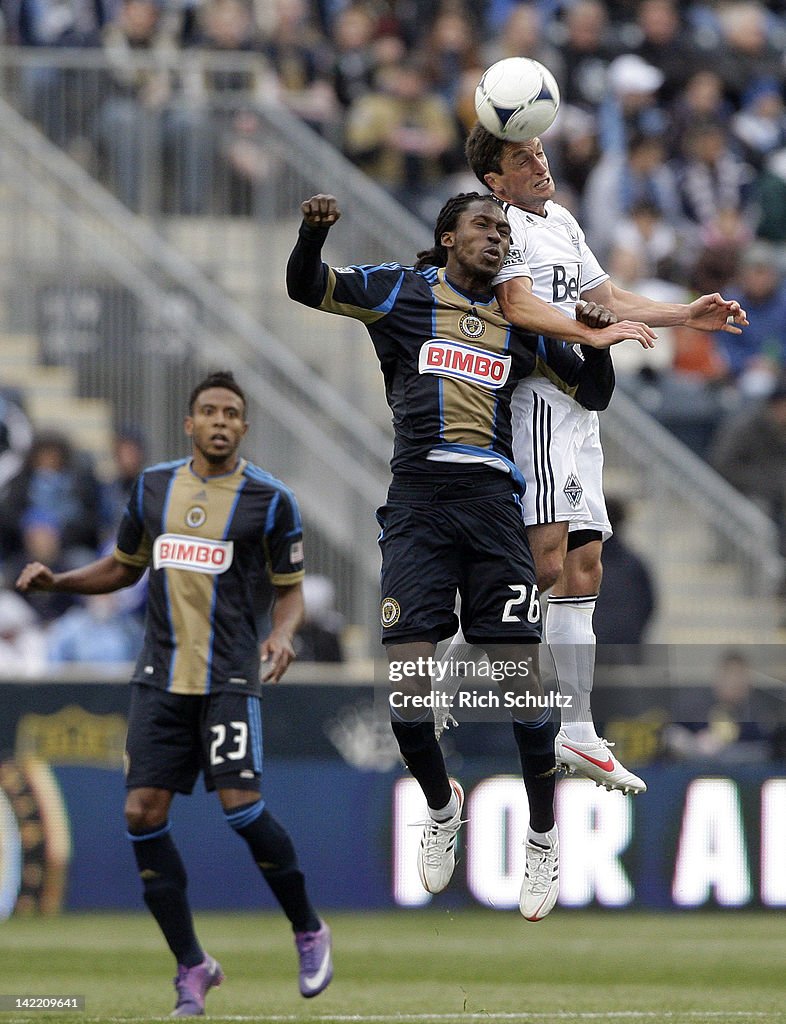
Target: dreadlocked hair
{"type": "Point", "coordinates": [447, 219]}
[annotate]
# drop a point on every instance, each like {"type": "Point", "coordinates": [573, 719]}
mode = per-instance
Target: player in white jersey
{"type": "Point", "coordinates": [549, 269]}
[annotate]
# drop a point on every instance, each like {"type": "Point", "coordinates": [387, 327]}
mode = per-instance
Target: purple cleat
{"type": "Point", "coordinates": [316, 963]}
{"type": "Point", "coordinates": [192, 985]}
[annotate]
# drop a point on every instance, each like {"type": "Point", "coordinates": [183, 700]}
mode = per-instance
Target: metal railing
{"type": "Point", "coordinates": [233, 239]}
{"type": "Point", "coordinates": [139, 323]}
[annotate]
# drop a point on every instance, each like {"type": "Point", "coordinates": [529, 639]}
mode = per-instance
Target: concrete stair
{"type": "Point", "coordinates": [49, 397]}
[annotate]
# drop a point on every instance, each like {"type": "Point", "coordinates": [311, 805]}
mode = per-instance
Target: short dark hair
{"type": "Point", "coordinates": [484, 152]}
{"type": "Point", "coordinates": [218, 379]}
{"type": "Point", "coordinates": [447, 219]}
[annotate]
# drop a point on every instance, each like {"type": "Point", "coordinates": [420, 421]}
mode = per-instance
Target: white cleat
{"type": "Point", "coordinates": [595, 761]}
{"type": "Point", "coordinates": [540, 887]}
{"type": "Point", "coordinates": [437, 853]}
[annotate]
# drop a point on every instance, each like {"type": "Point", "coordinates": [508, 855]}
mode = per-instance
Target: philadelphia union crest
{"type": "Point", "coordinates": [471, 326]}
{"type": "Point", "coordinates": [389, 612]}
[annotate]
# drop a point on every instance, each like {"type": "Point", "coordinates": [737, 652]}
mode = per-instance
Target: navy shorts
{"type": "Point", "coordinates": [467, 537]}
{"type": "Point", "coordinates": [172, 737]}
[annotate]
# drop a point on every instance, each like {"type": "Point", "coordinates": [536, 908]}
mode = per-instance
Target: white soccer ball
{"type": "Point", "coordinates": [517, 99]}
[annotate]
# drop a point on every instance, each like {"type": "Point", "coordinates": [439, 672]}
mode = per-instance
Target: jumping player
{"type": "Point", "coordinates": [212, 528]}
{"type": "Point", "coordinates": [452, 521]}
{"type": "Point", "coordinates": [556, 442]}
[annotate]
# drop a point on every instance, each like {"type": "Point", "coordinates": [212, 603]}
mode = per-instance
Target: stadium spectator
{"type": "Point", "coordinates": [319, 638]}
{"type": "Point", "coordinates": [749, 450]}
{"type": "Point", "coordinates": [666, 42]}
{"type": "Point", "coordinates": [22, 641]}
{"type": "Point", "coordinates": [148, 133]}
{"type": "Point", "coordinates": [649, 236]}
{"type": "Point", "coordinates": [750, 47]}
{"type": "Point", "coordinates": [711, 177]}
{"type": "Point", "coordinates": [759, 126]}
{"type": "Point", "coordinates": [40, 539]}
{"type": "Point", "coordinates": [523, 35]}
{"type": "Point", "coordinates": [128, 453]}
{"type": "Point", "coordinates": [354, 62]}
{"type": "Point", "coordinates": [450, 525]}
{"type": "Point", "coordinates": [735, 726]}
{"type": "Point", "coordinates": [627, 600]}
{"type": "Point", "coordinates": [630, 107]}
{"type": "Point", "coordinates": [586, 50]}
{"type": "Point", "coordinates": [16, 435]}
{"type": "Point", "coordinates": [702, 99]}
{"type": "Point", "coordinates": [757, 358]}
{"type": "Point", "coordinates": [195, 698]}
{"type": "Point", "coordinates": [301, 61]}
{"type": "Point", "coordinates": [771, 198]}
{"type": "Point", "coordinates": [98, 631]}
{"type": "Point", "coordinates": [400, 135]}
{"type": "Point", "coordinates": [58, 485]}
{"type": "Point", "coordinates": [450, 49]}
{"type": "Point", "coordinates": [621, 181]}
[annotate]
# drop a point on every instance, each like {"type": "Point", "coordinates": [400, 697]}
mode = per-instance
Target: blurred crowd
{"type": "Point", "coordinates": [56, 509]}
{"type": "Point", "coordinates": [670, 148]}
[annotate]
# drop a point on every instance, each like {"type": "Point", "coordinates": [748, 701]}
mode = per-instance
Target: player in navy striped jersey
{"type": "Point", "coordinates": [452, 521]}
{"type": "Point", "coordinates": [549, 269]}
{"type": "Point", "coordinates": [216, 531]}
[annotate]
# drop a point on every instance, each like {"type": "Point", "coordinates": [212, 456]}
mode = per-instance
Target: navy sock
{"type": "Point", "coordinates": [535, 741]}
{"type": "Point", "coordinates": [275, 857]}
{"type": "Point", "coordinates": [422, 755]}
{"type": "Point", "coordinates": [165, 881]}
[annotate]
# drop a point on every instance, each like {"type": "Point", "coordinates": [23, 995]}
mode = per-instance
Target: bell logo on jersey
{"type": "Point", "coordinates": [566, 283]}
{"type": "Point", "coordinates": [194, 554]}
{"type": "Point", "coordinates": [452, 359]}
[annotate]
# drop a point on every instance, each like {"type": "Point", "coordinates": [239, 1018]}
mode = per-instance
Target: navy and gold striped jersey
{"type": "Point", "coordinates": [214, 545]}
{"type": "Point", "coordinates": [450, 360]}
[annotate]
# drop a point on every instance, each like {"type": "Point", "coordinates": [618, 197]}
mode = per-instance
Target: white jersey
{"type": "Point", "coordinates": [555, 439]}
{"type": "Point", "coordinates": [553, 252]}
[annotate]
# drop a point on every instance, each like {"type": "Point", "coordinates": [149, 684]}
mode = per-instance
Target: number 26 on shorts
{"type": "Point", "coordinates": [524, 606]}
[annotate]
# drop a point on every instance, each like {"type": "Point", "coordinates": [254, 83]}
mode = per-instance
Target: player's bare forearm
{"type": "Point", "coordinates": [707, 313]}
{"type": "Point", "coordinates": [306, 273]}
{"type": "Point", "coordinates": [277, 651]}
{"type": "Point", "coordinates": [526, 311]}
{"type": "Point", "coordinates": [103, 576]}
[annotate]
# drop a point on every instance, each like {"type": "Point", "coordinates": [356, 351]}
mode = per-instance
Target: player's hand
{"type": "Point", "coordinates": [623, 330]}
{"type": "Point", "coordinates": [320, 211]}
{"type": "Point", "coordinates": [594, 315]}
{"type": "Point", "coordinates": [35, 576]}
{"type": "Point", "coordinates": [276, 655]}
{"type": "Point", "coordinates": [714, 313]}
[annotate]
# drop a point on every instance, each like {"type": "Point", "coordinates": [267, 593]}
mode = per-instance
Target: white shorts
{"type": "Point", "coordinates": [556, 445]}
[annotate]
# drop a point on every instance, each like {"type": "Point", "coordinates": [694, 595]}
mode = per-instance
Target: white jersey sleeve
{"type": "Point", "coordinates": [552, 251]}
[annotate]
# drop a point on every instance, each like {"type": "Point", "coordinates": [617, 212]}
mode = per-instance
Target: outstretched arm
{"type": "Point", "coordinates": [100, 577]}
{"type": "Point", "coordinates": [707, 313]}
{"type": "Point", "coordinates": [306, 273]}
{"type": "Point", "coordinates": [524, 309]}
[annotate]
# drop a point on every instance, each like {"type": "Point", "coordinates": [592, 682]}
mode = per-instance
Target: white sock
{"type": "Point", "coordinates": [448, 811]}
{"type": "Point", "coordinates": [571, 642]}
{"type": "Point", "coordinates": [542, 838]}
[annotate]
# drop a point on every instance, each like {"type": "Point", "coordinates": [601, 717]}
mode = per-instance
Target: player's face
{"type": "Point", "coordinates": [525, 180]}
{"type": "Point", "coordinates": [216, 427]}
{"type": "Point", "coordinates": [479, 244]}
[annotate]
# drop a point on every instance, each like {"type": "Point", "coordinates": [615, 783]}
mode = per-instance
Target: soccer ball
{"type": "Point", "coordinates": [517, 99]}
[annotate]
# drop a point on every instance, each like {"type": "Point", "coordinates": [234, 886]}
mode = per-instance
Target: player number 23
{"type": "Point", "coordinates": [238, 739]}
{"type": "Point", "coordinates": [523, 595]}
